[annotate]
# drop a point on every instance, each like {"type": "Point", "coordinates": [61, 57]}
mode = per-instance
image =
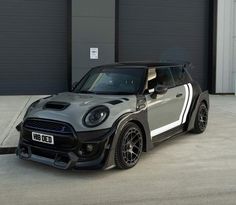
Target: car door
{"type": "Point", "coordinates": [182, 82]}
{"type": "Point", "coordinates": [166, 111]}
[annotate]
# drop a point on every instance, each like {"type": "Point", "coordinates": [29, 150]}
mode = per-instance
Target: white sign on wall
{"type": "Point", "coordinates": [94, 53]}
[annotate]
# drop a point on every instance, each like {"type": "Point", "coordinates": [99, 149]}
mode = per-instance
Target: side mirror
{"type": "Point", "coordinates": [74, 84]}
{"type": "Point", "coordinates": [159, 90]}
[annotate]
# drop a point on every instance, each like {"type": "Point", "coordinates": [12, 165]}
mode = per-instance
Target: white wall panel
{"type": "Point", "coordinates": [225, 47]}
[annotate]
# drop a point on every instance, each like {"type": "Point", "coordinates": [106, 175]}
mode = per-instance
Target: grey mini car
{"type": "Point", "coordinates": [112, 115]}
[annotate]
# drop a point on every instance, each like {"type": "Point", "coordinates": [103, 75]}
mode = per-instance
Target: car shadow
{"type": "Point", "coordinates": [29, 166]}
{"type": "Point", "coordinates": [25, 165]}
{"type": "Point", "coordinates": [168, 143]}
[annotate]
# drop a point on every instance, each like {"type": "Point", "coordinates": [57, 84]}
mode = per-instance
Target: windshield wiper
{"type": "Point", "coordinates": [105, 93]}
{"type": "Point", "coordinates": [115, 93]}
{"type": "Point", "coordinates": [87, 92]}
{"type": "Point", "coordinates": [123, 93]}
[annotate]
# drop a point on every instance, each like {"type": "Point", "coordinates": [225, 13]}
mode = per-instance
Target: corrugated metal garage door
{"type": "Point", "coordinates": [166, 29]}
{"type": "Point", "coordinates": [33, 46]}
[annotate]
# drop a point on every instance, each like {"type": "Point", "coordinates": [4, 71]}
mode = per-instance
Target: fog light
{"type": "Point", "coordinates": [80, 152]}
{"type": "Point", "coordinates": [86, 150]}
{"type": "Point", "coordinates": [89, 148]}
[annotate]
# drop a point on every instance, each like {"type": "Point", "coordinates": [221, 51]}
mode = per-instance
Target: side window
{"type": "Point", "coordinates": [164, 77]}
{"type": "Point", "coordinates": [160, 76]}
{"type": "Point", "coordinates": [180, 75]}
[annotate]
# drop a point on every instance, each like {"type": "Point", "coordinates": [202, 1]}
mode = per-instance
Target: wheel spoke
{"type": "Point", "coordinates": [135, 146]}
{"type": "Point", "coordinates": [135, 154]}
{"type": "Point", "coordinates": [136, 141]}
{"type": "Point", "coordinates": [132, 146]}
{"type": "Point", "coordinates": [202, 120]}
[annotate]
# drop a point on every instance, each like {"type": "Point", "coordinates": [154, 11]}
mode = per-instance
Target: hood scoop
{"type": "Point", "coordinates": [115, 102]}
{"type": "Point", "coordinates": [56, 105]}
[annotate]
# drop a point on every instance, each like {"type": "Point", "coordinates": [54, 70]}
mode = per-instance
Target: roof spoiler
{"type": "Point", "coordinates": [186, 64]}
{"type": "Point", "coordinates": [179, 62]}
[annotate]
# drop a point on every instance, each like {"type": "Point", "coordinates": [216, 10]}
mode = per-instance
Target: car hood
{"type": "Point", "coordinates": [74, 106]}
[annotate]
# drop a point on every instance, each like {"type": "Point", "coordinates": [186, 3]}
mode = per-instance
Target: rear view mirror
{"type": "Point", "coordinates": [159, 90]}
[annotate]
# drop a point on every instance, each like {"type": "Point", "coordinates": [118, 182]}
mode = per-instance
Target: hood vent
{"type": "Point", "coordinates": [56, 105]}
{"type": "Point", "coordinates": [115, 102]}
{"type": "Point", "coordinates": [126, 99]}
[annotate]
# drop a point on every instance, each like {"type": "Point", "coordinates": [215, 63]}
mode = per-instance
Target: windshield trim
{"type": "Point", "coordinates": [80, 84]}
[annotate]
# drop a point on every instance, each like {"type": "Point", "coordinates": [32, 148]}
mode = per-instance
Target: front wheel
{"type": "Point", "coordinates": [201, 119]}
{"type": "Point", "coordinates": [129, 147]}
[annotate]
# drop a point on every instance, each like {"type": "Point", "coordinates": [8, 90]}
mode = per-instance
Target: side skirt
{"type": "Point", "coordinates": [168, 134]}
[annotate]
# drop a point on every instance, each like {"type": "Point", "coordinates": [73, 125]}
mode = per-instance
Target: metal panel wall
{"type": "Point", "coordinates": [33, 46]}
{"type": "Point", "coordinates": [226, 47]}
{"type": "Point", "coordinates": [93, 26]}
{"type": "Point", "coordinates": [166, 30]}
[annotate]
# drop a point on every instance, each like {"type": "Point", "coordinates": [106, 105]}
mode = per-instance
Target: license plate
{"type": "Point", "coordinates": [38, 137]}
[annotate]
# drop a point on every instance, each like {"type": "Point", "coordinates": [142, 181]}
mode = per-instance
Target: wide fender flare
{"type": "Point", "coordinates": [140, 118]}
{"type": "Point", "coordinates": [203, 97]}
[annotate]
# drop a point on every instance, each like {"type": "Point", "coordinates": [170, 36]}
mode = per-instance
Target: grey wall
{"type": "Point", "coordinates": [33, 46]}
{"type": "Point", "coordinates": [93, 25]}
{"type": "Point", "coordinates": [166, 30]}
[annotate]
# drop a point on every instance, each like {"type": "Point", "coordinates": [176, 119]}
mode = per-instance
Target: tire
{"type": "Point", "coordinates": [129, 146]}
{"type": "Point", "coordinates": [201, 119]}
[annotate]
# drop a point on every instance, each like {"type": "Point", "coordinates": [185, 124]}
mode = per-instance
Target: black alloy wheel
{"type": "Point", "coordinates": [201, 119]}
{"type": "Point", "coordinates": [129, 147]}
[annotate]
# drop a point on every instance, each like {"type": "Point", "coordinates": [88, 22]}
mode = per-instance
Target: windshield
{"type": "Point", "coordinates": [113, 81]}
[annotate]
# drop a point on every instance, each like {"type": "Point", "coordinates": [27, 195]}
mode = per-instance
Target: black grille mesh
{"type": "Point", "coordinates": [48, 126]}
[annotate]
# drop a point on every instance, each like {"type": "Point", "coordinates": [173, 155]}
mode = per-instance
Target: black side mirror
{"type": "Point", "coordinates": [159, 90]}
{"type": "Point", "coordinates": [74, 84]}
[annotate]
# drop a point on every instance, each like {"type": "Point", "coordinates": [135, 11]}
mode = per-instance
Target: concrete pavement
{"type": "Point", "coordinates": [12, 110]}
{"type": "Point", "coordinates": [186, 170]}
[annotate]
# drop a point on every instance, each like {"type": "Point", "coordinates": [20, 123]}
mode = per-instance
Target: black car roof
{"type": "Point", "coordinates": [146, 64]}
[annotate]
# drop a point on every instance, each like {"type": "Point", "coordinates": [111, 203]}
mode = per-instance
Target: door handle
{"type": "Point", "coordinates": [179, 95]}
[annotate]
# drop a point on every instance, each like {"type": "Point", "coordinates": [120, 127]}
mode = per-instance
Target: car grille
{"type": "Point", "coordinates": [64, 135]}
{"type": "Point", "coordinates": [48, 126]}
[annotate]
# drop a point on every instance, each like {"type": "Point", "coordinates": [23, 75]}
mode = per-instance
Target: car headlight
{"type": "Point", "coordinates": [96, 116]}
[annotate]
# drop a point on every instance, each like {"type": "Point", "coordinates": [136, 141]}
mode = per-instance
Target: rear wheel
{"type": "Point", "coordinates": [201, 119]}
{"type": "Point", "coordinates": [129, 147]}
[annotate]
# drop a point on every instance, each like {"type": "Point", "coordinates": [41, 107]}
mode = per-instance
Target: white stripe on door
{"type": "Point", "coordinates": [183, 114]}
{"type": "Point", "coordinates": [189, 102]}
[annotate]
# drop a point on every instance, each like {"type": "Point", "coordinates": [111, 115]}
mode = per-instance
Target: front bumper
{"type": "Point", "coordinates": [56, 158]}
{"type": "Point", "coordinates": [73, 157]}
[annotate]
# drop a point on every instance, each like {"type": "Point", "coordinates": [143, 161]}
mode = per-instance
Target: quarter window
{"type": "Point", "coordinates": [160, 76]}
{"type": "Point", "coordinates": [180, 75]}
{"type": "Point", "coordinates": [164, 77]}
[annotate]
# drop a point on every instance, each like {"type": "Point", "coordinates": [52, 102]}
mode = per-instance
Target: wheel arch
{"type": "Point", "coordinates": [139, 124]}
{"type": "Point", "coordinates": [203, 97]}
{"type": "Point", "coordinates": [140, 119]}
{"type": "Point", "coordinates": [205, 102]}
